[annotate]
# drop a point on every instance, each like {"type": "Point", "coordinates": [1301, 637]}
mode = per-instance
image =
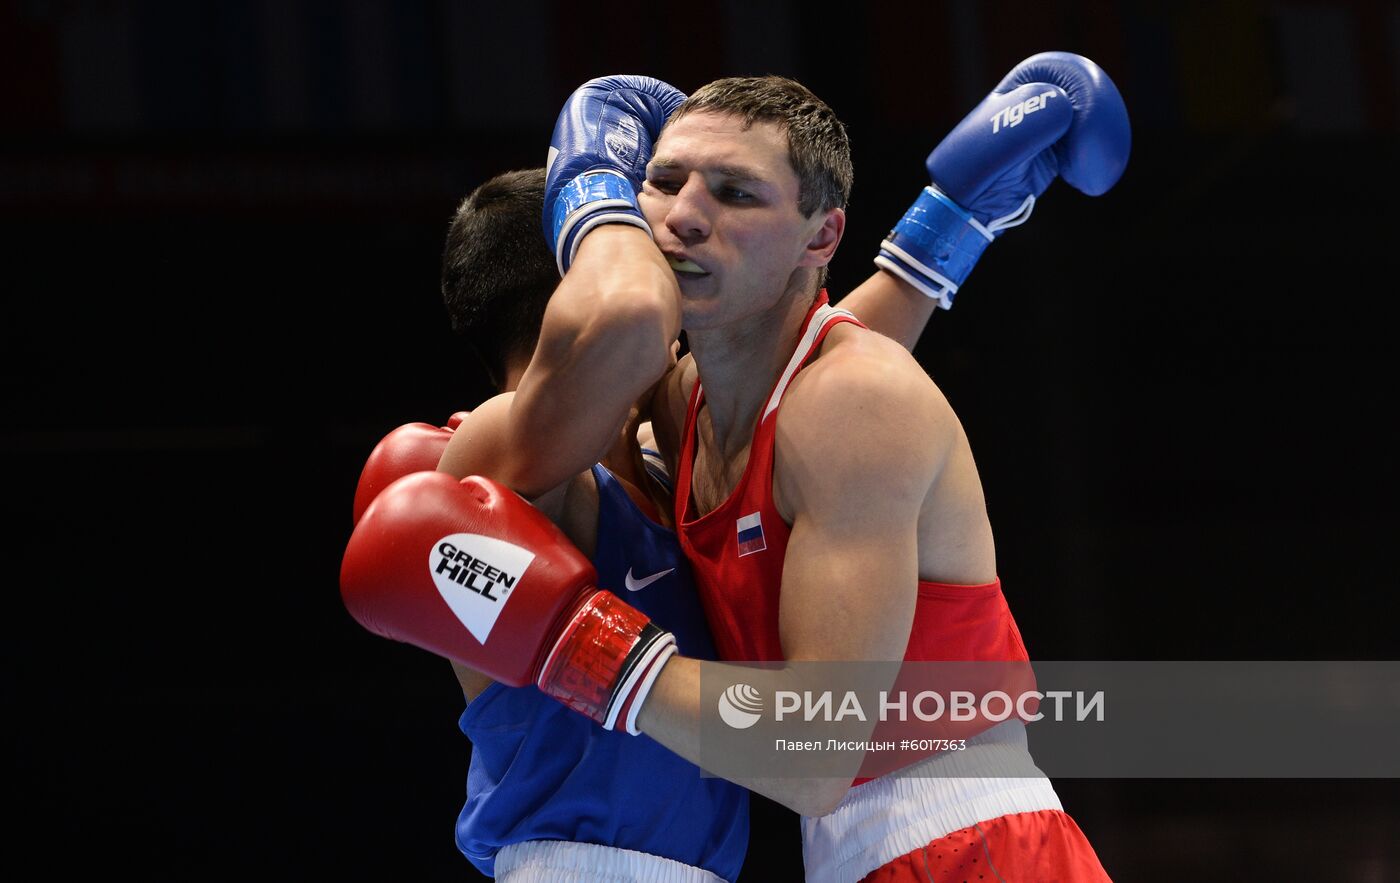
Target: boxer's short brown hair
{"type": "Point", "coordinates": [818, 148]}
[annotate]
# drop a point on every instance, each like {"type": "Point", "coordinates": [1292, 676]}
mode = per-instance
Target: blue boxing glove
{"type": "Point", "coordinates": [1055, 114]}
{"type": "Point", "coordinates": [598, 155]}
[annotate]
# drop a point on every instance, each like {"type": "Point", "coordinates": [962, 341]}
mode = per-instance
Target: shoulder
{"type": "Point", "coordinates": [859, 375]}
{"type": "Point", "coordinates": [863, 410]}
{"type": "Point", "coordinates": [478, 437]}
{"type": "Point", "coordinates": [482, 445]}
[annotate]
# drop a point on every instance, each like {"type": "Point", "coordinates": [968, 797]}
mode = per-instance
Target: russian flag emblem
{"type": "Point", "coordinates": [750, 529]}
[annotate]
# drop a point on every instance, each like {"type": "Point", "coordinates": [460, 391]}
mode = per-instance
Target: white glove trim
{"type": "Point", "coordinates": [594, 220]}
{"type": "Point", "coordinates": [1015, 219]}
{"type": "Point", "coordinates": [644, 689]}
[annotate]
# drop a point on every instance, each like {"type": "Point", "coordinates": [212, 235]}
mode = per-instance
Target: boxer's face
{"type": "Point", "coordinates": [722, 204]}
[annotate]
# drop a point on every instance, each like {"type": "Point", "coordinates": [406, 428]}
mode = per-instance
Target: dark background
{"type": "Point", "coordinates": [222, 224]}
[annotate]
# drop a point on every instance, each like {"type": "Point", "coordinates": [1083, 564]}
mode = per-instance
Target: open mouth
{"type": "Point", "coordinates": [686, 267]}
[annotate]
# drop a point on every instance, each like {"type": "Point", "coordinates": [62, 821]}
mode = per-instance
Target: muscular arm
{"type": "Point", "coordinates": [851, 567]}
{"type": "Point", "coordinates": [891, 306]}
{"type": "Point", "coordinates": [606, 339]}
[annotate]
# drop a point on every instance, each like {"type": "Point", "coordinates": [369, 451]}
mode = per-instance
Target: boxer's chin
{"type": "Point", "coordinates": [697, 288]}
{"type": "Point", "coordinates": [700, 305]}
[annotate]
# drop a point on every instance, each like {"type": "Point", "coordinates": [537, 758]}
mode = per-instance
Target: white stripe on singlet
{"type": "Point", "coordinates": [561, 861]}
{"type": "Point", "coordinates": [824, 314]}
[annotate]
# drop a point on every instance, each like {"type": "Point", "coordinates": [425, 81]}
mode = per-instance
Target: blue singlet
{"type": "Point", "coordinates": [542, 772]}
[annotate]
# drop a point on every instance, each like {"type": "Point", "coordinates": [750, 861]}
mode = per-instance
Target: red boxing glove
{"type": "Point", "coordinates": [413, 447]}
{"type": "Point", "coordinates": [470, 571]}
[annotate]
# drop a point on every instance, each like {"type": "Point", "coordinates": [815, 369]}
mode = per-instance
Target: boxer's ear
{"type": "Point", "coordinates": [821, 245]}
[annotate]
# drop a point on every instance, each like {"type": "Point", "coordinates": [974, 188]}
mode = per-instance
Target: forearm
{"type": "Point", "coordinates": [619, 260]}
{"type": "Point", "coordinates": [617, 311]}
{"type": "Point", "coordinates": [606, 339]}
{"type": "Point", "coordinates": [891, 306]}
{"type": "Point", "coordinates": [675, 717]}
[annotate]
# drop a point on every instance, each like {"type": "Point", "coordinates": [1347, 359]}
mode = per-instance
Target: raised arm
{"type": "Point", "coordinates": [1055, 114]}
{"type": "Point", "coordinates": [605, 341]}
{"type": "Point", "coordinates": [608, 330]}
{"type": "Point", "coordinates": [891, 306]}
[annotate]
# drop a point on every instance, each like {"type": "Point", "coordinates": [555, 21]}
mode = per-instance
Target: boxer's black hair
{"type": "Point", "coordinates": [497, 271]}
{"type": "Point", "coordinates": [818, 148]}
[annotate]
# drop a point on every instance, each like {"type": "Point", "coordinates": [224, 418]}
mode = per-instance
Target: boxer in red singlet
{"type": "Point", "coordinates": [818, 470]}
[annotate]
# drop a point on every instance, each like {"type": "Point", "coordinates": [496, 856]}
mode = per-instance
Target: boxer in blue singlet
{"type": "Point", "coordinates": [551, 795]}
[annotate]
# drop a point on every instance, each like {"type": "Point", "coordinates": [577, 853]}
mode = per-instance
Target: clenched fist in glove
{"type": "Point", "coordinates": [1055, 114]}
{"type": "Point", "coordinates": [413, 447]}
{"type": "Point", "coordinates": [598, 156]}
{"type": "Point", "coordinates": [470, 571]}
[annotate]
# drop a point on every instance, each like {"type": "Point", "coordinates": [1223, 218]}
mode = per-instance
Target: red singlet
{"type": "Point", "coordinates": [737, 550]}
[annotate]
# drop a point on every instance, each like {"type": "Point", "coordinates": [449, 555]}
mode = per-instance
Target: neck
{"type": "Point", "coordinates": [739, 364]}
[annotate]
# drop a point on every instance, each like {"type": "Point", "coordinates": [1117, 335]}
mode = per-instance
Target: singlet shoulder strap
{"type": "Point", "coordinates": [656, 467]}
{"type": "Point", "coordinates": [823, 318]}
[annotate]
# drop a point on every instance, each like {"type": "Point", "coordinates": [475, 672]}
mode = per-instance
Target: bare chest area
{"type": "Point", "coordinates": [715, 476]}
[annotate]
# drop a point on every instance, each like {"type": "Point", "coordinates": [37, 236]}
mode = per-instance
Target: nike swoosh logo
{"type": "Point", "coordinates": [636, 585]}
